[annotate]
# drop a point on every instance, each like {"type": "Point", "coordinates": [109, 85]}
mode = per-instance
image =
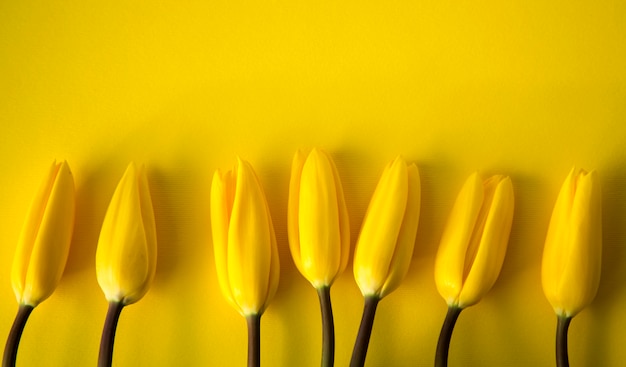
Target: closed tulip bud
{"type": "Point", "coordinates": [127, 249]}
{"type": "Point", "coordinates": [127, 252]}
{"type": "Point", "coordinates": [319, 229]}
{"type": "Point", "coordinates": [385, 246]}
{"type": "Point", "coordinates": [573, 250]}
{"type": "Point", "coordinates": [44, 244]}
{"type": "Point", "coordinates": [42, 250]}
{"type": "Point", "coordinates": [474, 242]}
{"type": "Point", "coordinates": [572, 255]}
{"type": "Point", "coordinates": [244, 243]}
{"type": "Point", "coordinates": [472, 249]}
{"type": "Point", "coordinates": [246, 253]}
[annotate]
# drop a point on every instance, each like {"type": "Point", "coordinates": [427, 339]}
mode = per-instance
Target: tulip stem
{"type": "Point", "coordinates": [13, 341]}
{"type": "Point", "coordinates": [254, 340]}
{"type": "Point", "coordinates": [443, 345]}
{"type": "Point", "coordinates": [562, 325]}
{"type": "Point", "coordinates": [328, 327]}
{"type": "Point", "coordinates": [365, 331]}
{"type": "Point", "coordinates": [105, 358]}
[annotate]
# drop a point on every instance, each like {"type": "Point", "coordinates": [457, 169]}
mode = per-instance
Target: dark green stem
{"type": "Point", "coordinates": [105, 358]}
{"type": "Point", "coordinates": [365, 331]}
{"type": "Point", "coordinates": [254, 340]}
{"type": "Point", "coordinates": [562, 325]}
{"type": "Point", "coordinates": [13, 341]}
{"type": "Point", "coordinates": [328, 327]}
{"type": "Point", "coordinates": [443, 345]}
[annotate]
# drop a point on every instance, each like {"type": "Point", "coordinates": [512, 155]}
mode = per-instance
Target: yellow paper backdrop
{"type": "Point", "coordinates": [523, 88]}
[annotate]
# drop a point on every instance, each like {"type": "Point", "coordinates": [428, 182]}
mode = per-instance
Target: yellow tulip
{"type": "Point", "coordinates": [474, 242]}
{"type": "Point", "coordinates": [44, 243]}
{"type": "Point", "coordinates": [127, 248]}
{"type": "Point", "coordinates": [573, 249]}
{"type": "Point", "coordinates": [246, 253]}
{"type": "Point", "coordinates": [385, 246]}
{"type": "Point", "coordinates": [319, 229]}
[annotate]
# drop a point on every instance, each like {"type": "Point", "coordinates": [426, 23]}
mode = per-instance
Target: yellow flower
{"type": "Point", "coordinates": [246, 254]}
{"type": "Point", "coordinates": [474, 241]}
{"type": "Point", "coordinates": [45, 240]}
{"type": "Point", "coordinates": [385, 246]}
{"type": "Point", "coordinates": [319, 229]}
{"type": "Point", "coordinates": [573, 251]}
{"type": "Point", "coordinates": [127, 248]}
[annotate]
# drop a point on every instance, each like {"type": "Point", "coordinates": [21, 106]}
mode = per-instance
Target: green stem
{"type": "Point", "coordinates": [365, 331]}
{"type": "Point", "coordinates": [13, 341]}
{"type": "Point", "coordinates": [105, 358]}
{"type": "Point", "coordinates": [562, 325]}
{"type": "Point", "coordinates": [254, 340]}
{"type": "Point", "coordinates": [443, 345]}
{"type": "Point", "coordinates": [328, 327]}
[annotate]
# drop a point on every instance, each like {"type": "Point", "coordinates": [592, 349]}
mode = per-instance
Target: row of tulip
{"type": "Point", "coordinates": [467, 264]}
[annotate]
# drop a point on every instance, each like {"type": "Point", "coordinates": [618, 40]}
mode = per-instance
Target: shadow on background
{"type": "Point", "coordinates": [599, 339]}
{"type": "Point", "coordinates": [181, 207]}
{"type": "Point", "coordinates": [93, 193]}
{"type": "Point", "coordinates": [533, 208]}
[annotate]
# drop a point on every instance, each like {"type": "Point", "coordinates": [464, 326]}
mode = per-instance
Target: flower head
{"type": "Point", "coordinates": [319, 229]}
{"type": "Point", "coordinates": [44, 243]}
{"type": "Point", "coordinates": [474, 241]}
{"type": "Point", "coordinates": [246, 253]}
{"type": "Point", "coordinates": [385, 246]}
{"type": "Point", "coordinates": [573, 250]}
{"type": "Point", "coordinates": [127, 247]}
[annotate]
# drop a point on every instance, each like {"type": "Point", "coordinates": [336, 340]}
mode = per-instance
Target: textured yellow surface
{"type": "Point", "coordinates": [523, 88]}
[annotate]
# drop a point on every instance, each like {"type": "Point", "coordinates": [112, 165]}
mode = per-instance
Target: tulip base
{"type": "Point", "coordinates": [365, 331]}
{"type": "Point", "coordinates": [105, 358]}
{"type": "Point", "coordinates": [328, 327]}
{"type": "Point", "coordinates": [13, 341]}
{"type": "Point", "coordinates": [254, 340]}
{"type": "Point", "coordinates": [443, 345]}
{"type": "Point", "coordinates": [562, 326]}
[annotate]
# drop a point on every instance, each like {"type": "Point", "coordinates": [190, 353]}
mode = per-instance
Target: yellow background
{"type": "Point", "coordinates": [523, 88]}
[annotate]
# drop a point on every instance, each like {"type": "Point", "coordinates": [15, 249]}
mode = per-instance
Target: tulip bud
{"type": "Point", "coordinates": [474, 242]}
{"type": "Point", "coordinates": [44, 243]}
{"type": "Point", "coordinates": [385, 246]}
{"type": "Point", "coordinates": [573, 250]}
{"type": "Point", "coordinates": [127, 247]}
{"type": "Point", "coordinates": [246, 253]}
{"type": "Point", "coordinates": [319, 229]}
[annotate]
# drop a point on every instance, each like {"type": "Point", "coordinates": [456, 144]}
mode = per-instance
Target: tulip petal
{"type": "Point", "coordinates": [452, 252]}
{"type": "Point", "coordinates": [249, 256]}
{"type": "Point", "coordinates": [406, 238]}
{"type": "Point", "coordinates": [581, 255]}
{"type": "Point", "coordinates": [149, 229]}
{"type": "Point", "coordinates": [30, 229]}
{"type": "Point", "coordinates": [219, 228]}
{"type": "Point", "coordinates": [344, 221]}
{"type": "Point", "coordinates": [45, 240]}
{"type": "Point", "coordinates": [274, 274]}
{"type": "Point", "coordinates": [556, 241]}
{"type": "Point", "coordinates": [293, 209]}
{"type": "Point", "coordinates": [125, 260]}
{"type": "Point", "coordinates": [585, 257]}
{"type": "Point", "coordinates": [379, 232]}
{"type": "Point", "coordinates": [487, 262]}
{"type": "Point", "coordinates": [320, 240]}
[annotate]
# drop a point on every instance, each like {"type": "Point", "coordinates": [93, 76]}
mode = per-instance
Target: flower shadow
{"type": "Point", "coordinates": [600, 323]}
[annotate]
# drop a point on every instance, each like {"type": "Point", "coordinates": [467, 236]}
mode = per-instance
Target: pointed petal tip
{"type": "Point", "coordinates": [240, 160]}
